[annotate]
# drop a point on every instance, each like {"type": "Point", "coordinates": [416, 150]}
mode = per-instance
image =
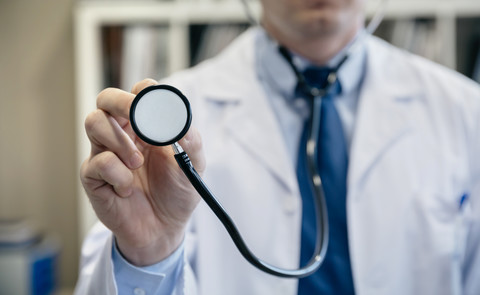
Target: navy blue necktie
{"type": "Point", "coordinates": [334, 276]}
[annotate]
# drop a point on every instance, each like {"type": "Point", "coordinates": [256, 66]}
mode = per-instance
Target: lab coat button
{"type": "Point", "coordinates": [138, 291]}
{"type": "Point", "coordinates": [290, 206]}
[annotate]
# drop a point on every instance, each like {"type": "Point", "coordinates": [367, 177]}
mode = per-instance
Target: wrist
{"type": "Point", "coordinates": [149, 253]}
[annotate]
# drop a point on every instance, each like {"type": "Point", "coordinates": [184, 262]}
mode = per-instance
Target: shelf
{"type": "Point", "coordinates": [112, 12]}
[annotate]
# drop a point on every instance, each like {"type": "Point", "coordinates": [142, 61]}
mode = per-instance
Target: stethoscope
{"type": "Point", "coordinates": [161, 115]}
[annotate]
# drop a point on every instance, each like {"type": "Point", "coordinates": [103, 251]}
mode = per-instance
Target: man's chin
{"type": "Point", "coordinates": [320, 26]}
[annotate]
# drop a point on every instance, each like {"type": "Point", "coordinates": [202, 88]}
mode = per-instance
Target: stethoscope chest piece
{"type": "Point", "coordinates": [160, 115]}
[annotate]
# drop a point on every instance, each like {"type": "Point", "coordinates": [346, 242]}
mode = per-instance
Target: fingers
{"type": "Point", "coordinates": [105, 133]}
{"type": "Point", "coordinates": [117, 102]}
{"type": "Point", "coordinates": [143, 84]}
{"type": "Point", "coordinates": [106, 126]}
{"type": "Point", "coordinates": [104, 172]}
{"type": "Point", "coordinates": [192, 144]}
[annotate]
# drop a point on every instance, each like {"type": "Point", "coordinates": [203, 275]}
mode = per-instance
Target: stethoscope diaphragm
{"type": "Point", "coordinates": [160, 115]}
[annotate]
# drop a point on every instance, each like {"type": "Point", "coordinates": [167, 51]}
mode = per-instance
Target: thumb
{"type": "Point", "coordinates": [192, 145]}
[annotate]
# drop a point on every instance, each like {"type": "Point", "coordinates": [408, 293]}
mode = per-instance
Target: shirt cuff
{"type": "Point", "coordinates": [159, 278]}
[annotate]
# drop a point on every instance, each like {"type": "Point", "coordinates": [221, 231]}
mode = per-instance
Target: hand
{"type": "Point", "coordinates": [137, 190]}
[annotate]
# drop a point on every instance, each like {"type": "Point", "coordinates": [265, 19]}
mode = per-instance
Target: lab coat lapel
{"type": "Point", "coordinates": [385, 120]}
{"type": "Point", "coordinates": [256, 129]}
{"type": "Point", "coordinates": [251, 119]}
{"type": "Point", "coordinates": [384, 113]}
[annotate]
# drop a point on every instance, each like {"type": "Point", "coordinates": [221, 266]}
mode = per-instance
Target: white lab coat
{"type": "Point", "coordinates": [415, 152]}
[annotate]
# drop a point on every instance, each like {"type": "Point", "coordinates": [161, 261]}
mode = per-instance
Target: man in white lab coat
{"type": "Point", "coordinates": [412, 129]}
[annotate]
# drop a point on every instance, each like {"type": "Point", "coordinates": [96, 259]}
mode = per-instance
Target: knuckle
{"type": "Point", "coordinates": [83, 170]}
{"type": "Point", "coordinates": [126, 180]}
{"type": "Point", "coordinates": [198, 142]}
{"type": "Point", "coordinates": [105, 92]}
{"type": "Point", "coordinates": [106, 161]}
{"type": "Point", "coordinates": [194, 140]}
{"type": "Point", "coordinates": [104, 96]}
{"type": "Point", "coordinates": [86, 178]}
{"type": "Point", "coordinates": [195, 145]}
{"type": "Point", "coordinates": [93, 120]}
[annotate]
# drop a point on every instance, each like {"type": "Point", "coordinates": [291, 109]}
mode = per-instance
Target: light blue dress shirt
{"type": "Point", "coordinates": [158, 278]}
{"type": "Point", "coordinates": [279, 82]}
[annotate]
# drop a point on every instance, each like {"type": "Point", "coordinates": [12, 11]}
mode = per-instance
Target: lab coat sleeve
{"type": "Point", "coordinates": [97, 271]}
{"type": "Point", "coordinates": [96, 268]}
{"type": "Point", "coordinates": [471, 263]}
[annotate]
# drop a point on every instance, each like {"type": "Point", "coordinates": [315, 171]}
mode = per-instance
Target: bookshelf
{"type": "Point", "coordinates": [456, 24]}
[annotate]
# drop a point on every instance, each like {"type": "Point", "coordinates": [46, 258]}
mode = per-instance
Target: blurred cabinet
{"type": "Point", "coordinates": [118, 42]}
{"type": "Point", "coordinates": [29, 259]}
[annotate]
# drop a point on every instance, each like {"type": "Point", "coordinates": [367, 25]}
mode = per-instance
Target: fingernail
{"type": "Point", "coordinates": [129, 192]}
{"type": "Point", "coordinates": [136, 160]}
{"type": "Point", "coordinates": [126, 193]}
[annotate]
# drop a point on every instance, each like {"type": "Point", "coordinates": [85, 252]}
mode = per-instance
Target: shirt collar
{"type": "Point", "coordinates": [275, 70]}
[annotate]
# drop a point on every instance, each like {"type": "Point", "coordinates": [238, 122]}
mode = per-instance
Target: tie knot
{"type": "Point", "coordinates": [317, 76]}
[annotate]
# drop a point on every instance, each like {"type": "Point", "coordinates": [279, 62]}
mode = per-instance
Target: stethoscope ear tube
{"type": "Point", "coordinates": [197, 182]}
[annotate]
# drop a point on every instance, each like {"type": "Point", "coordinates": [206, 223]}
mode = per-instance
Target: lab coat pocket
{"type": "Point", "coordinates": [462, 223]}
{"type": "Point", "coordinates": [436, 230]}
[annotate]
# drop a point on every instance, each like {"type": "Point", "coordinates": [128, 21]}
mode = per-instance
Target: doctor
{"type": "Point", "coordinates": [411, 130]}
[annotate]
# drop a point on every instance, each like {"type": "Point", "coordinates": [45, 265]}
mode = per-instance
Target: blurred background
{"type": "Point", "coordinates": [38, 174]}
{"type": "Point", "coordinates": [56, 55]}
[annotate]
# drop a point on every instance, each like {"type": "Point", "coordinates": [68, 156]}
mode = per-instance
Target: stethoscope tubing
{"type": "Point", "coordinates": [321, 215]}
{"type": "Point", "coordinates": [197, 182]}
